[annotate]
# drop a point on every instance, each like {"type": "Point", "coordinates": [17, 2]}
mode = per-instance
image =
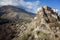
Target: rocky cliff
{"type": "Point", "coordinates": [45, 26]}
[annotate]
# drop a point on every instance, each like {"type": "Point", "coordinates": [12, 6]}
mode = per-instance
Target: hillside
{"type": "Point", "coordinates": [45, 26]}
{"type": "Point", "coordinates": [12, 18]}
{"type": "Point", "coordinates": [12, 12]}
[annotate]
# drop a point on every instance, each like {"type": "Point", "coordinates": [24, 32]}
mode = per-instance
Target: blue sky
{"type": "Point", "coordinates": [51, 3]}
{"type": "Point", "coordinates": [32, 5]}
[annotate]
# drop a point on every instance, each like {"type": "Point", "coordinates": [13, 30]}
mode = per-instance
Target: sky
{"type": "Point", "coordinates": [32, 5]}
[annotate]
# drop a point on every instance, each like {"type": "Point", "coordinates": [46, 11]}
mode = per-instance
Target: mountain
{"type": "Point", "coordinates": [45, 26]}
{"type": "Point", "coordinates": [12, 12]}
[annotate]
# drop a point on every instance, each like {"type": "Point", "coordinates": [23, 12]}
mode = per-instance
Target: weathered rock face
{"type": "Point", "coordinates": [45, 26]}
{"type": "Point", "coordinates": [46, 21]}
{"type": "Point", "coordinates": [47, 14]}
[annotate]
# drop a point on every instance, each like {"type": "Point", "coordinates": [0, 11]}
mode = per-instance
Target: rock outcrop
{"type": "Point", "coordinates": [47, 14]}
{"type": "Point", "coordinates": [45, 26]}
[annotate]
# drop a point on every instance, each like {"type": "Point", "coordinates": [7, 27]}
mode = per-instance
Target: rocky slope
{"type": "Point", "coordinates": [12, 12]}
{"type": "Point", "coordinates": [11, 19]}
{"type": "Point", "coordinates": [45, 26]}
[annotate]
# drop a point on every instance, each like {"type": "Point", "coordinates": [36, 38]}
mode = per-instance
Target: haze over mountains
{"type": "Point", "coordinates": [12, 12]}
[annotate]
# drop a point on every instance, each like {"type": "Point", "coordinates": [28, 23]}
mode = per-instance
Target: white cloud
{"type": "Point", "coordinates": [7, 2]}
{"type": "Point", "coordinates": [32, 6]}
{"type": "Point", "coordinates": [29, 6]}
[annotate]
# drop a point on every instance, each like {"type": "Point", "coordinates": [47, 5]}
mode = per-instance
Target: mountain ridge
{"type": "Point", "coordinates": [18, 11]}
